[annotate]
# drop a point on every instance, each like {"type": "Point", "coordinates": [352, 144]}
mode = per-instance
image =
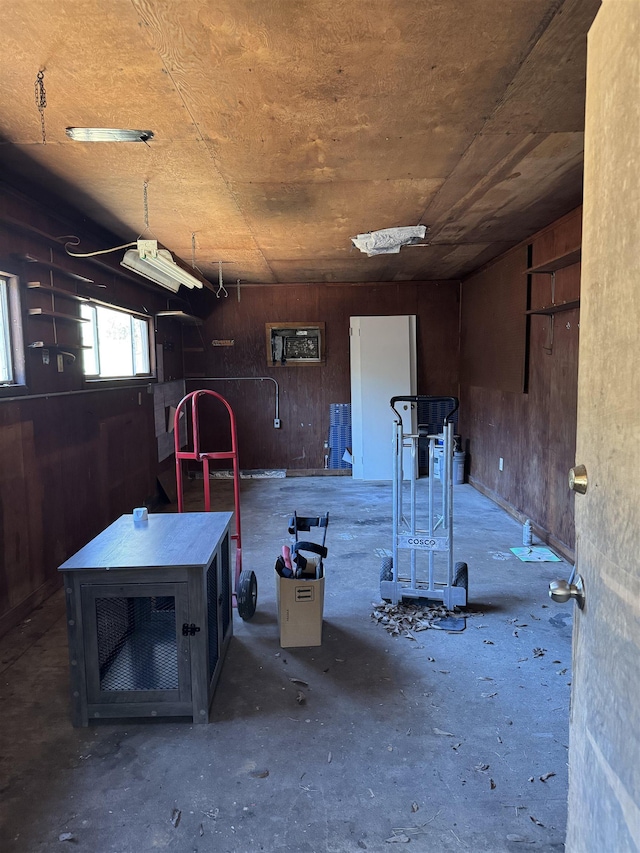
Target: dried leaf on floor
{"type": "Point", "coordinates": [299, 681]}
{"type": "Point", "coordinates": [329, 758]}
{"type": "Point", "coordinates": [440, 732]}
{"type": "Point", "coordinates": [546, 776]}
{"type": "Point", "coordinates": [407, 619]}
{"type": "Point", "coordinates": [259, 774]}
{"type": "Point", "coordinates": [488, 695]}
{"type": "Point", "coordinates": [531, 779]}
{"type": "Point", "coordinates": [201, 830]}
{"type": "Point", "coordinates": [535, 820]}
{"type": "Point", "coordinates": [176, 814]}
{"type": "Point", "coordinates": [488, 642]}
{"type": "Point", "coordinates": [414, 807]}
{"type": "Point", "coordinates": [562, 671]}
{"type": "Point", "coordinates": [398, 839]}
{"type": "Point", "coordinates": [539, 653]}
{"type": "Point", "coordinates": [492, 784]}
{"type": "Point", "coordinates": [300, 697]}
{"type": "Point", "coordinates": [484, 678]}
{"type": "Point", "coordinates": [66, 836]}
{"type": "Point", "coordinates": [482, 767]}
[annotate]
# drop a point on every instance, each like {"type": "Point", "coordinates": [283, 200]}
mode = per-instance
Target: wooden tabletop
{"type": "Point", "coordinates": [166, 540]}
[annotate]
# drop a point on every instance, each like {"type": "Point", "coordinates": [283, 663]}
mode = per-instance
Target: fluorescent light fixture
{"type": "Point", "coordinates": [158, 266]}
{"type": "Point", "coordinates": [108, 134]}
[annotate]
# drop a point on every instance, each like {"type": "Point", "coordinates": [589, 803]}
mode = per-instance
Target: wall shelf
{"type": "Point", "coordinates": [51, 265]}
{"type": "Point", "coordinates": [54, 346]}
{"type": "Point", "coordinates": [558, 263]}
{"type": "Point", "coordinates": [554, 309]}
{"type": "Point", "coordinates": [56, 291]}
{"type": "Point", "coordinates": [181, 317]}
{"type": "Point", "coordinates": [59, 315]}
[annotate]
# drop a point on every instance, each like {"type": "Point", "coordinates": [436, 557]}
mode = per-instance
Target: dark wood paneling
{"type": "Point", "coordinates": [69, 464]}
{"type": "Point", "coordinates": [492, 339]}
{"type": "Point", "coordinates": [306, 392]}
{"type": "Point", "coordinates": [534, 432]}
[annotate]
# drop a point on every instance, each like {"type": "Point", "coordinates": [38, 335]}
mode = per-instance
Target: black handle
{"type": "Point", "coordinates": [422, 398]}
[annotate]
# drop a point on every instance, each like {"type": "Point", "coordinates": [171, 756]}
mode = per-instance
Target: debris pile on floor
{"type": "Point", "coordinates": [401, 620]}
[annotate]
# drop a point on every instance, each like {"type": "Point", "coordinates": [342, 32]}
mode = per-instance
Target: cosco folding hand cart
{"type": "Point", "coordinates": [425, 535]}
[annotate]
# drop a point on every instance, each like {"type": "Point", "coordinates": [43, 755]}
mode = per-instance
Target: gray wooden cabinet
{"type": "Point", "coordinates": [149, 617]}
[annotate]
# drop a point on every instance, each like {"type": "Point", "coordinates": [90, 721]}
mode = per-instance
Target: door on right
{"type": "Point", "coordinates": [604, 753]}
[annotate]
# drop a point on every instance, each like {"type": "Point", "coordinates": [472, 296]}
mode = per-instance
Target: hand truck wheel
{"type": "Point", "coordinates": [386, 572]}
{"type": "Point", "coordinates": [247, 594]}
{"type": "Point", "coordinates": [461, 577]}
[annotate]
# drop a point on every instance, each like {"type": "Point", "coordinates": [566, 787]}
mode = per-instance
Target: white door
{"type": "Point", "coordinates": [604, 754]}
{"type": "Point", "coordinates": [383, 365]}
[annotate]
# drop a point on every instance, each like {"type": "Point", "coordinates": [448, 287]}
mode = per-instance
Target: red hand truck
{"type": "Point", "coordinates": [245, 584]}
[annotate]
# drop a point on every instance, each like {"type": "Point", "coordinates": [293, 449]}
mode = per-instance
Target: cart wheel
{"type": "Point", "coordinates": [461, 576]}
{"type": "Point", "coordinates": [386, 571]}
{"type": "Point", "coordinates": [247, 594]}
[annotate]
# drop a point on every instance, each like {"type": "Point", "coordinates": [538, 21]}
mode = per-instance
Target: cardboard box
{"type": "Point", "coordinates": [300, 607]}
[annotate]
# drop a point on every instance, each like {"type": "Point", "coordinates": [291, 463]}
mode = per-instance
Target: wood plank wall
{"type": "Point", "coordinates": [69, 465]}
{"type": "Point", "coordinates": [306, 392]}
{"type": "Point", "coordinates": [534, 432]}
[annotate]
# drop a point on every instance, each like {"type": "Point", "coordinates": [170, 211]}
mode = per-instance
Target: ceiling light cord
{"type": "Point", "coordinates": [145, 207]}
{"type": "Point", "coordinates": [99, 252]}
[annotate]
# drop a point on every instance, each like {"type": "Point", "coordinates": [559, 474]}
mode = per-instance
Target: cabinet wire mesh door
{"type": "Point", "coordinates": [137, 643]}
{"type": "Point", "coordinates": [133, 636]}
{"type": "Point", "coordinates": [218, 603]}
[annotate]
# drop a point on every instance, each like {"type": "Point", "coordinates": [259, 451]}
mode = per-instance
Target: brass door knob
{"type": "Point", "coordinates": [561, 591]}
{"type": "Point", "coordinates": [578, 479]}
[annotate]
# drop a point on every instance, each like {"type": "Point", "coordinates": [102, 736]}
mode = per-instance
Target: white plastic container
{"type": "Point", "coordinates": [458, 464]}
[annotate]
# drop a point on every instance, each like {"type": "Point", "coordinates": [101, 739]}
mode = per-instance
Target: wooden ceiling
{"type": "Point", "coordinates": [284, 128]}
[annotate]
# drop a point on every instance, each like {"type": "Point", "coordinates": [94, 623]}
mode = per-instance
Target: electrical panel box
{"type": "Point", "coordinates": [294, 344]}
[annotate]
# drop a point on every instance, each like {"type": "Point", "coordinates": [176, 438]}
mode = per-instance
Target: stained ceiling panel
{"type": "Point", "coordinates": [284, 128]}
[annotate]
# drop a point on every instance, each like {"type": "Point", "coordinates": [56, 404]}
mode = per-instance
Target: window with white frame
{"type": "Point", "coordinates": [6, 361]}
{"type": "Point", "coordinates": [115, 343]}
{"type": "Point", "coordinates": [12, 360]}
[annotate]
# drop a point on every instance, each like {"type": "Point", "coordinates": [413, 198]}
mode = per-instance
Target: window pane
{"type": "Point", "coordinates": [116, 343]}
{"type": "Point", "coordinates": [89, 339]}
{"type": "Point", "coordinates": [6, 373]}
{"type": "Point", "coordinates": [140, 345]}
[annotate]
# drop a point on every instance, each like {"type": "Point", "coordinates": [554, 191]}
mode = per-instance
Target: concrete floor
{"type": "Point", "coordinates": [439, 743]}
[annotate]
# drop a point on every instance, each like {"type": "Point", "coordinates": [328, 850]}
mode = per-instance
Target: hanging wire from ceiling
{"type": "Point", "coordinates": [145, 195]}
{"type": "Point", "coordinates": [41, 101]}
{"type": "Point", "coordinates": [222, 290]}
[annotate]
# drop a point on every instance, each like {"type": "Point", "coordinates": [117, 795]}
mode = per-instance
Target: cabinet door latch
{"type": "Point", "coordinates": [188, 630]}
